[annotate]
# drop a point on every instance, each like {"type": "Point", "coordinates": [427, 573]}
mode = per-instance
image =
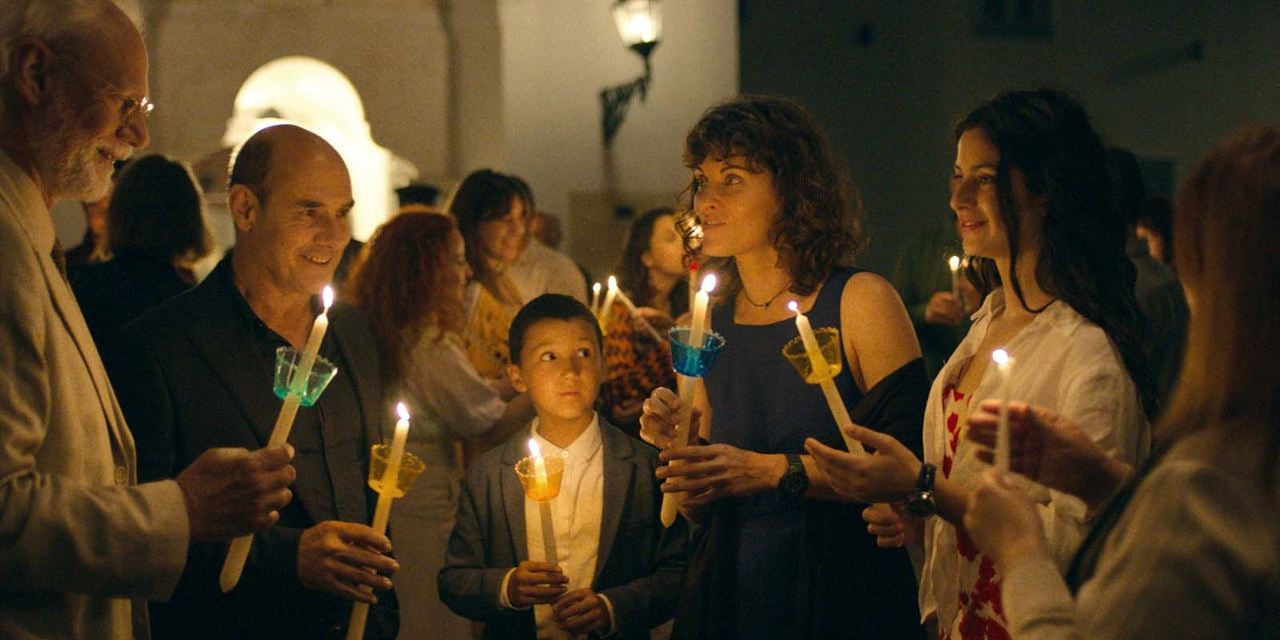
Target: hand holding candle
{"type": "Point", "coordinates": [1004, 362]}
{"type": "Point", "coordinates": [391, 483]}
{"type": "Point", "coordinates": [822, 373]}
{"type": "Point", "coordinates": [233, 565]}
{"type": "Point", "coordinates": [687, 384]}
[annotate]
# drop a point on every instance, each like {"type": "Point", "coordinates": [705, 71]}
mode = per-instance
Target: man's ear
{"type": "Point", "coordinates": [244, 205]}
{"type": "Point", "coordinates": [517, 382]}
{"type": "Point", "coordinates": [29, 66]}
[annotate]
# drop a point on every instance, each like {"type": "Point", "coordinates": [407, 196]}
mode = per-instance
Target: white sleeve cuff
{"type": "Point", "coordinates": [503, 600]}
{"type": "Point", "coordinates": [613, 619]}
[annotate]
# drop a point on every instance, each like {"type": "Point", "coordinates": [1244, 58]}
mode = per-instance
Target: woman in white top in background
{"type": "Point", "coordinates": [1034, 209]}
{"type": "Point", "coordinates": [409, 282]}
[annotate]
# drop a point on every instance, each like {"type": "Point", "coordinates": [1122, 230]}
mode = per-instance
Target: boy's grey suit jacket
{"type": "Point", "coordinates": [640, 567]}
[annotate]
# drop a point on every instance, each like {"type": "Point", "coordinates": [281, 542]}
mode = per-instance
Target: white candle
{"type": "Point", "coordinates": [822, 371]}
{"type": "Point", "coordinates": [233, 565]}
{"type": "Point", "coordinates": [595, 299]}
{"type": "Point", "coordinates": [382, 513]}
{"type": "Point", "coordinates": [954, 263]}
{"type": "Point", "coordinates": [687, 385]}
{"type": "Point", "coordinates": [607, 307]}
{"type": "Point", "coordinates": [541, 486]}
{"type": "Point", "coordinates": [1004, 362]}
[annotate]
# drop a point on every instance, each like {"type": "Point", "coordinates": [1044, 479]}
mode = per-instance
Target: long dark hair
{"type": "Point", "coordinates": [820, 224]}
{"type": "Point", "coordinates": [484, 195]}
{"type": "Point", "coordinates": [1047, 136]}
{"type": "Point", "coordinates": [157, 208]}
{"type": "Point", "coordinates": [633, 275]}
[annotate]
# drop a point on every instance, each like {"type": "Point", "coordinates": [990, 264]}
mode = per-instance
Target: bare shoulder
{"type": "Point", "coordinates": [878, 336]}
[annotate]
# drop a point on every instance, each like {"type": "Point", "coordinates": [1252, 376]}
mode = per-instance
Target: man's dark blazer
{"type": "Point", "coordinates": [640, 567]}
{"type": "Point", "coordinates": [189, 378]}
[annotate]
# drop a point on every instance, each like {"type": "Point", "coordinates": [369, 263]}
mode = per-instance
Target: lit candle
{"type": "Point", "coordinates": [954, 263]}
{"type": "Point", "coordinates": [821, 371]}
{"type": "Point", "coordinates": [541, 488]}
{"type": "Point", "coordinates": [382, 513]}
{"type": "Point", "coordinates": [1004, 362]}
{"type": "Point", "coordinates": [693, 281]}
{"type": "Point", "coordinates": [687, 385]}
{"type": "Point", "coordinates": [595, 299]}
{"type": "Point", "coordinates": [233, 566]}
{"type": "Point", "coordinates": [607, 307]}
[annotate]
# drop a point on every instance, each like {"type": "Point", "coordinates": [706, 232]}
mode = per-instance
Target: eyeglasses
{"type": "Point", "coordinates": [129, 105]}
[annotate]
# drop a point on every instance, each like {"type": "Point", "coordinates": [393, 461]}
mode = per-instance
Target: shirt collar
{"type": "Point", "coordinates": [583, 448]}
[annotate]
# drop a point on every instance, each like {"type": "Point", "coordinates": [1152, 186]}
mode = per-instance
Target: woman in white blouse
{"type": "Point", "coordinates": [410, 282]}
{"type": "Point", "coordinates": [1187, 546]}
{"type": "Point", "coordinates": [1034, 209]}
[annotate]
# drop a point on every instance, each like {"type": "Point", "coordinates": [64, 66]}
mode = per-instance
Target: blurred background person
{"type": "Point", "coordinates": [651, 272]}
{"type": "Point", "coordinates": [155, 231]}
{"type": "Point", "coordinates": [924, 279]}
{"type": "Point", "coordinates": [410, 283]}
{"type": "Point", "coordinates": [1155, 225]}
{"type": "Point", "coordinates": [540, 268]}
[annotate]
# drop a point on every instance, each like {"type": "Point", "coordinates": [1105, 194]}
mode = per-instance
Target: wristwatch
{"type": "Point", "coordinates": [920, 503]}
{"type": "Point", "coordinates": [795, 481]}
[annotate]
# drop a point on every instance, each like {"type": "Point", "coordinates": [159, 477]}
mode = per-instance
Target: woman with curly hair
{"type": "Point", "coordinates": [782, 554]}
{"type": "Point", "coordinates": [1035, 210]}
{"type": "Point", "coordinates": [409, 282]}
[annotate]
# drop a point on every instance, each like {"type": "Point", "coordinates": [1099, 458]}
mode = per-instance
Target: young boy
{"type": "Point", "coordinates": [617, 571]}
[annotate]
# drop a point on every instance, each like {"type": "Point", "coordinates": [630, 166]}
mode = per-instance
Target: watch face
{"type": "Point", "coordinates": [792, 483]}
{"type": "Point", "coordinates": [920, 504]}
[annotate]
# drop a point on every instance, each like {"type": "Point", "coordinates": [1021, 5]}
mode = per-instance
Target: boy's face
{"type": "Point", "coordinates": [560, 368]}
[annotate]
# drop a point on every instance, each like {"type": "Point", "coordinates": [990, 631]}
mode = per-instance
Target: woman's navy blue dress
{"type": "Point", "coordinates": [776, 567]}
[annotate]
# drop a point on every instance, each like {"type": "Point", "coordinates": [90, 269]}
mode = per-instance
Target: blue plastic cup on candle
{"type": "Point", "coordinates": [692, 361]}
{"type": "Point", "coordinates": [322, 372]}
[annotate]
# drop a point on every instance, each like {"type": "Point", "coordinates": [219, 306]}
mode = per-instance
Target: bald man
{"type": "Point", "coordinates": [196, 373]}
{"type": "Point", "coordinates": [79, 538]}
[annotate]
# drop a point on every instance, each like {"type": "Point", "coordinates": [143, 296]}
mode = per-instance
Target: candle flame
{"type": "Point", "coordinates": [534, 449]}
{"type": "Point", "coordinates": [595, 288]}
{"type": "Point", "coordinates": [402, 411]}
{"type": "Point", "coordinates": [954, 262]}
{"type": "Point", "coordinates": [613, 283]}
{"type": "Point", "coordinates": [327, 296]}
{"type": "Point", "coordinates": [1000, 356]}
{"type": "Point", "coordinates": [793, 306]}
{"type": "Point", "coordinates": [709, 283]}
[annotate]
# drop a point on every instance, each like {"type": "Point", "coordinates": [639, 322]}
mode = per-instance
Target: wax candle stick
{"type": "Point", "coordinates": [607, 307]}
{"type": "Point", "coordinates": [822, 372]}
{"type": "Point", "coordinates": [635, 315]}
{"type": "Point", "coordinates": [687, 387]}
{"type": "Point", "coordinates": [382, 513]}
{"type": "Point", "coordinates": [954, 264]}
{"type": "Point", "coordinates": [542, 489]}
{"type": "Point", "coordinates": [238, 553]}
{"type": "Point", "coordinates": [595, 299]}
{"type": "Point", "coordinates": [1004, 362]}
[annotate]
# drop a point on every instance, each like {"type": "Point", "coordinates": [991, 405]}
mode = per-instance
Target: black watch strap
{"type": "Point", "coordinates": [928, 473]}
{"type": "Point", "coordinates": [795, 481]}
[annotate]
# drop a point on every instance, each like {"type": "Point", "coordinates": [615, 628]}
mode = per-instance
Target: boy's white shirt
{"type": "Point", "coordinates": [576, 514]}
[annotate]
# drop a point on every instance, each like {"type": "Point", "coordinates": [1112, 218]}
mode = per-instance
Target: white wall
{"type": "Point", "coordinates": [556, 57]}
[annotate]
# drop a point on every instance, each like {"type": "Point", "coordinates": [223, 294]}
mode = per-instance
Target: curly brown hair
{"type": "Point", "coordinates": [402, 283]}
{"type": "Point", "coordinates": [820, 224]}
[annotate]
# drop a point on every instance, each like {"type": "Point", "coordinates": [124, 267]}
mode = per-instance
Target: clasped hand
{"type": "Point", "coordinates": [346, 559]}
{"type": "Point", "coordinates": [580, 611]}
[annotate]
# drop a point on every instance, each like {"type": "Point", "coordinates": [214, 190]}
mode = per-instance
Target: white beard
{"type": "Point", "coordinates": [71, 168]}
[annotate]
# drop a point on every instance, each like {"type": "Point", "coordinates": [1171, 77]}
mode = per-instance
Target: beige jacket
{"type": "Point", "coordinates": [78, 536]}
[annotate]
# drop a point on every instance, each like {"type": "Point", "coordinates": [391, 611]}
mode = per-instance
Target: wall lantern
{"type": "Point", "coordinates": [640, 27]}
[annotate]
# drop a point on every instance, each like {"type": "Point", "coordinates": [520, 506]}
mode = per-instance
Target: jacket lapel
{"type": "Point", "coordinates": [619, 476]}
{"type": "Point", "coordinates": [513, 499]}
{"type": "Point", "coordinates": [372, 408]}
